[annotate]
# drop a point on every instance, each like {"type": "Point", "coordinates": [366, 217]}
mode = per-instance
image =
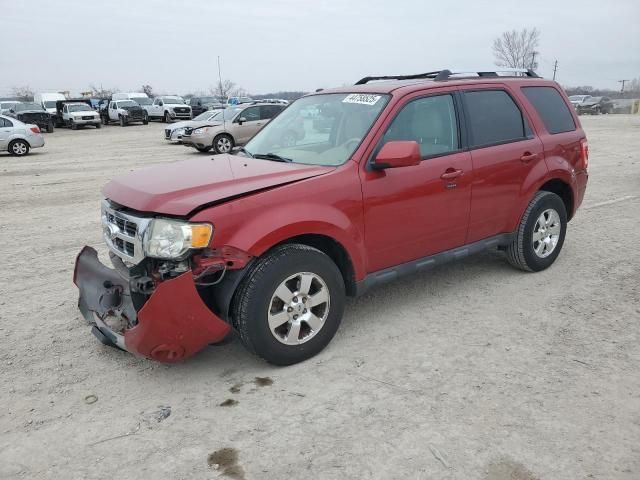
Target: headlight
{"type": "Point", "coordinates": [173, 239]}
{"type": "Point", "coordinates": [200, 131]}
{"type": "Point", "coordinates": [125, 112]}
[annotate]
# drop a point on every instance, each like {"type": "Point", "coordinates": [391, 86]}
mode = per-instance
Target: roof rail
{"type": "Point", "coordinates": [442, 75]}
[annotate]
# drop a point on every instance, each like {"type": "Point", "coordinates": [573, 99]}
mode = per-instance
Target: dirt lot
{"type": "Point", "coordinates": [470, 371]}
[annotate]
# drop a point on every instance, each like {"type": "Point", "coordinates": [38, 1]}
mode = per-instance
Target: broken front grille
{"type": "Point", "coordinates": [123, 233]}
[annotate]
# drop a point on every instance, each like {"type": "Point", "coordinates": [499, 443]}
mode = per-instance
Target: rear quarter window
{"type": "Point", "coordinates": [551, 108]}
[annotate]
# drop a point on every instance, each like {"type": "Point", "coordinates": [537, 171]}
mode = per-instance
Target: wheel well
{"type": "Point", "coordinates": [563, 190]}
{"type": "Point", "coordinates": [335, 251]}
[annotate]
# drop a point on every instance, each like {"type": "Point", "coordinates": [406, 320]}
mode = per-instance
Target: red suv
{"type": "Point", "coordinates": [388, 177]}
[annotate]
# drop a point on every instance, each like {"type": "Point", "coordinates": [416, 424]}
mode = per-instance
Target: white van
{"type": "Point", "coordinates": [128, 96]}
{"type": "Point", "coordinates": [48, 101]}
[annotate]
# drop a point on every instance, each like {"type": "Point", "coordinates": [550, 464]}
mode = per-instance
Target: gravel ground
{"type": "Point", "coordinates": [471, 371]}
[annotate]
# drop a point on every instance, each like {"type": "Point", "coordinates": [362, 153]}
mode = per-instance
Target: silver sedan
{"type": "Point", "coordinates": [18, 138]}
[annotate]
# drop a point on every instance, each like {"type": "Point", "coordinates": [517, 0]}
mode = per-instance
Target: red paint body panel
{"type": "Point", "coordinates": [180, 187]}
{"type": "Point", "coordinates": [174, 323]}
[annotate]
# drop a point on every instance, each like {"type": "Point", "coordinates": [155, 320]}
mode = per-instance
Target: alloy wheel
{"type": "Point", "coordinates": [299, 308]}
{"type": "Point", "coordinates": [546, 233]}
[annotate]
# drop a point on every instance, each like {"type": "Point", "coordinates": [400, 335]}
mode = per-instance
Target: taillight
{"type": "Point", "coordinates": [584, 153]}
{"type": "Point", "coordinates": [35, 129]}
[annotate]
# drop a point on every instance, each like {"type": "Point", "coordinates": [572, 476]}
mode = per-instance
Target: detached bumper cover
{"type": "Point", "coordinates": [173, 324]}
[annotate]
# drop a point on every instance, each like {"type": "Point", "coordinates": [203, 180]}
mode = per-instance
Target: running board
{"type": "Point", "coordinates": [424, 263]}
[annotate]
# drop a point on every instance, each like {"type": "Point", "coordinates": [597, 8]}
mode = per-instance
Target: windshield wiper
{"type": "Point", "coordinates": [272, 156]}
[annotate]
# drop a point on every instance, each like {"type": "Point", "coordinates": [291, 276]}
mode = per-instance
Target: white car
{"type": "Point", "coordinates": [48, 102]}
{"type": "Point", "coordinates": [173, 132]}
{"type": "Point", "coordinates": [7, 105]}
{"type": "Point", "coordinates": [124, 112]}
{"type": "Point", "coordinates": [168, 108]}
{"type": "Point", "coordinates": [18, 138]}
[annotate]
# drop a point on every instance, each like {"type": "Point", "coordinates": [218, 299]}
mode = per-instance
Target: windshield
{"type": "Point", "coordinates": [142, 100]}
{"type": "Point", "coordinates": [127, 103]}
{"type": "Point", "coordinates": [50, 104]}
{"type": "Point", "coordinates": [172, 100]}
{"type": "Point", "coordinates": [209, 115]}
{"type": "Point", "coordinates": [80, 108]}
{"type": "Point", "coordinates": [320, 129]}
{"type": "Point", "coordinates": [7, 104]}
{"type": "Point", "coordinates": [27, 106]}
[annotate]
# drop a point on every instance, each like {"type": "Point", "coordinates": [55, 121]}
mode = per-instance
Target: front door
{"type": "Point", "coordinates": [251, 124]}
{"type": "Point", "coordinates": [413, 212]}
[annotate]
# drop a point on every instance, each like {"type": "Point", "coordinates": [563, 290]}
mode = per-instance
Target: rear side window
{"type": "Point", "coordinates": [493, 118]}
{"type": "Point", "coordinates": [269, 111]}
{"type": "Point", "coordinates": [551, 107]}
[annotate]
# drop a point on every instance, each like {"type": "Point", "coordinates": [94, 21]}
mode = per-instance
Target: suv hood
{"type": "Point", "coordinates": [179, 188]}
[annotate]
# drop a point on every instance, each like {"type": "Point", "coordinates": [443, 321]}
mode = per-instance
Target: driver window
{"type": "Point", "coordinates": [430, 121]}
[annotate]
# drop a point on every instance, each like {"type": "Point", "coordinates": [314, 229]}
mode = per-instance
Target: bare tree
{"type": "Point", "coordinates": [223, 89]}
{"type": "Point", "coordinates": [23, 93]}
{"type": "Point", "coordinates": [148, 90]}
{"type": "Point", "coordinates": [517, 49]}
{"type": "Point", "coordinates": [101, 92]}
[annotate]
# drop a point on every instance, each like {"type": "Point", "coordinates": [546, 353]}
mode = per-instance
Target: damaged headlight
{"type": "Point", "coordinates": [172, 239]}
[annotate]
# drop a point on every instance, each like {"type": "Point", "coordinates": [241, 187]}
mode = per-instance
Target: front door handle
{"type": "Point", "coordinates": [451, 173]}
{"type": "Point", "coordinates": [528, 157]}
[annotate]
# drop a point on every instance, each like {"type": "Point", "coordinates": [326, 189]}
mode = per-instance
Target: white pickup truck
{"type": "Point", "coordinates": [168, 108]}
{"type": "Point", "coordinates": [123, 112]}
{"type": "Point", "coordinates": [77, 114]}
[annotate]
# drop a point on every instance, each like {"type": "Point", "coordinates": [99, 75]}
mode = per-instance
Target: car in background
{"type": "Point", "coordinates": [32, 113]}
{"type": "Point", "coordinates": [595, 106]}
{"type": "Point", "coordinates": [7, 105]}
{"type": "Point", "coordinates": [78, 113]}
{"type": "Point", "coordinates": [168, 108]}
{"type": "Point", "coordinates": [144, 102]}
{"type": "Point", "coordinates": [202, 104]}
{"type": "Point", "coordinates": [48, 102]}
{"type": "Point", "coordinates": [275, 100]}
{"type": "Point", "coordinates": [235, 126]}
{"type": "Point", "coordinates": [17, 137]}
{"type": "Point", "coordinates": [239, 100]}
{"type": "Point", "coordinates": [174, 131]}
{"type": "Point", "coordinates": [578, 99]}
{"type": "Point", "coordinates": [123, 112]}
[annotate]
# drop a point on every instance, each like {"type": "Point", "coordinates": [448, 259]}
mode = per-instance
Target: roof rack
{"type": "Point", "coordinates": [442, 75]}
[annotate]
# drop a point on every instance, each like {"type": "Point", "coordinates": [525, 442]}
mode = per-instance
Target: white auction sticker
{"type": "Point", "coordinates": [361, 98]}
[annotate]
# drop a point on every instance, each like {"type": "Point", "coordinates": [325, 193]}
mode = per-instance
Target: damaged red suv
{"type": "Point", "coordinates": [388, 177]}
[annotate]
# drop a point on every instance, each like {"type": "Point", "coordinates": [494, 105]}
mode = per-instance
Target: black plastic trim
{"type": "Point", "coordinates": [424, 263]}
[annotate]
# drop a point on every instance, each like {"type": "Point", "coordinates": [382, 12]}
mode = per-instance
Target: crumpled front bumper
{"type": "Point", "coordinates": [173, 324]}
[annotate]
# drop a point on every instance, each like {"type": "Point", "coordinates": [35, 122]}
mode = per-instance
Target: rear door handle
{"type": "Point", "coordinates": [527, 157]}
{"type": "Point", "coordinates": [451, 173]}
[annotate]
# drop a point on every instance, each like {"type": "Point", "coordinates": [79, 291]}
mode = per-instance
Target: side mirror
{"type": "Point", "coordinates": [241, 120]}
{"type": "Point", "coordinates": [397, 153]}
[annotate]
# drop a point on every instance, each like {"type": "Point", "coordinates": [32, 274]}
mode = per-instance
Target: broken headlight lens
{"type": "Point", "coordinates": [172, 239]}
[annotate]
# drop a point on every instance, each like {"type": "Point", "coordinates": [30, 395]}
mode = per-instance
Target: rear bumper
{"type": "Point", "coordinates": [36, 141]}
{"type": "Point", "coordinates": [172, 325]}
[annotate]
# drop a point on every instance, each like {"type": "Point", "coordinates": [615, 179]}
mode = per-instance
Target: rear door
{"type": "Point", "coordinates": [6, 128]}
{"type": "Point", "coordinates": [417, 211]}
{"type": "Point", "coordinates": [504, 152]}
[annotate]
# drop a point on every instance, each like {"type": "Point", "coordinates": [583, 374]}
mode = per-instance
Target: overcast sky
{"type": "Point", "coordinates": [271, 45]}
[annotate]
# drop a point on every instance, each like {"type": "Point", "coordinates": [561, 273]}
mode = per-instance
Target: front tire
{"type": "Point", "coordinates": [73, 125]}
{"type": "Point", "coordinates": [123, 122]}
{"type": "Point", "coordinates": [98, 125]}
{"type": "Point", "coordinates": [540, 236]}
{"type": "Point", "coordinates": [223, 143]}
{"type": "Point", "coordinates": [165, 118]}
{"type": "Point", "coordinates": [289, 306]}
{"type": "Point", "coordinates": [50, 127]}
{"type": "Point", "coordinates": [19, 148]}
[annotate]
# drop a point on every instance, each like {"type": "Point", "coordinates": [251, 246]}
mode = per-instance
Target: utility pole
{"type": "Point", "coordinates": [220, 78]}
{"type": "Point", "coordinates": [555, 69]}
{"type": "Point", "coordinates": [622, 82]}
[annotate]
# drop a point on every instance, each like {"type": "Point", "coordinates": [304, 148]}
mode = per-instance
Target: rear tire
{"type": "Point", "coordinates": [105, 120]}
{"type": "Point", "coordinates": [265, 321]}
{"type": "Point", "coordinates": [50, 127]}
{"type": "Point", "coordinates": [18, 148]}
{"type": "Point", "coordinates": [539, 238]}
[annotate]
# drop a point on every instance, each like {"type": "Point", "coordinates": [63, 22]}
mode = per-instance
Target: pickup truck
{"type": "Point", "coordinates": [269, 240]}
{"type": "Point", "coordinates": [168, 108]}
{"type": "Point", "coordinates": [124, 112]}
{"type": "Point", "coordinates": [77, 113]}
